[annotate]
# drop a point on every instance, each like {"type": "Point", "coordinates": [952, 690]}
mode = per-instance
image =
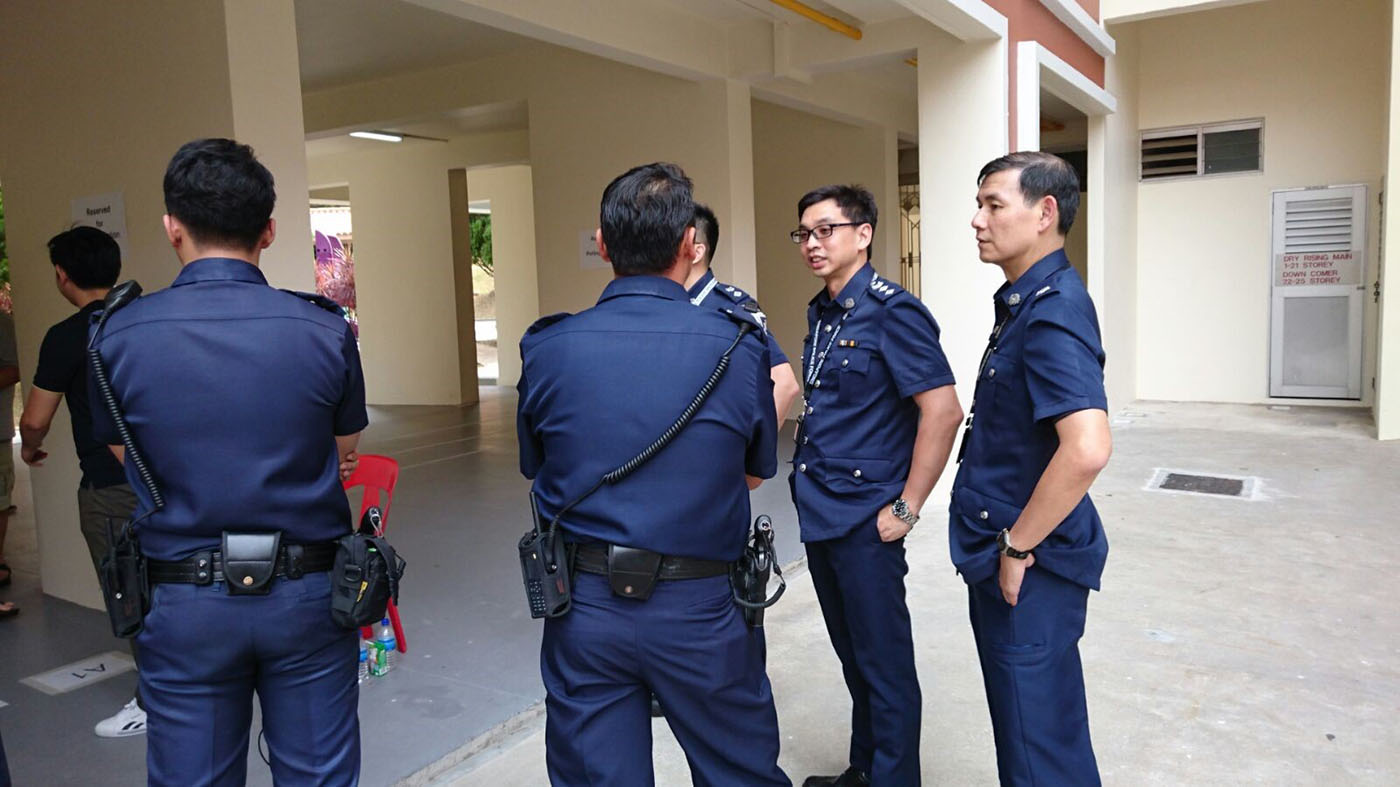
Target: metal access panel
{"type": "Point", "coordinates": [1318, 259]}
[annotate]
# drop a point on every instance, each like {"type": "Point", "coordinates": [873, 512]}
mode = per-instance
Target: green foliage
{"type": "Point", "coordinates": [4, 257]}
{"type": "Point", "coordinates": [481, 243]}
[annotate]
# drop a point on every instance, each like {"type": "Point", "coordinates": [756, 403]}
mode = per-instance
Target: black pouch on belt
{"type": "Point", "coordinates": [122, 575]}
{"type": "Point", "coordinates": [632, 572]}
{"type": "Point", "coordinates": [250, 562]}
{"type": "Point", "coordinates": [365, 576]}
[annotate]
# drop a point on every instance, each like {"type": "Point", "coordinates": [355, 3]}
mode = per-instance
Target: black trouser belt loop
{"type": "Point", "coordinates": [206, 568]}
{"type": "Point", "coordinates": [593, 559]}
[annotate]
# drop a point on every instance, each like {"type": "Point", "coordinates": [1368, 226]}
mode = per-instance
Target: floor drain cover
{"type": "Point", "coordinates": [1203, 484]}
{"type": "Point", "coordinates": [1194, 483]}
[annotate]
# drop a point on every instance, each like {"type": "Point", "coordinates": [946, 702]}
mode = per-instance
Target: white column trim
{"type": "Point", "coordinates": [1073, 15]}
{"type": "Point", "coordinates": [1037, 66]}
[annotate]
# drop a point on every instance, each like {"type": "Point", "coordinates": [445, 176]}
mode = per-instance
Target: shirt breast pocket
{"type": "Point", "coordinates": [996, 388]}
{"type": "Point", "coordinates": [855, 373]}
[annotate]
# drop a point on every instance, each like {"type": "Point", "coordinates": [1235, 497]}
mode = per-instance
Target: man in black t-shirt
{"type": "Point", "coordinates": [86, 263]}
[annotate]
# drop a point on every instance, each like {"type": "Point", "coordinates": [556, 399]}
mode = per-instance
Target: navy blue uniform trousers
{"type": "Point", "coordinates": [859, 581]}
{"type": "Point", "coordinates": [689, 644]}
{"type": "Point", "coordinates": [203, 655]}
{"type": "Point", "coordinates": [1034, 680]}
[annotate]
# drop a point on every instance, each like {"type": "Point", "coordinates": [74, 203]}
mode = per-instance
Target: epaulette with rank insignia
{"type": "Point", "coordinates": [317, 299]}
{"type": "Point", "coordinates": [734, 293]}
{"type": "Point", "coordinates": [545, 322]}
{"type": "Point", "coordinates": [744, 316]}
{"type": "Point", "coordinates": [883, 290]}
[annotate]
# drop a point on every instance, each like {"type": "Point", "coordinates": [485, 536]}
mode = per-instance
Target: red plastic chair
{"type": "Point", "coordinates": [378, 474]}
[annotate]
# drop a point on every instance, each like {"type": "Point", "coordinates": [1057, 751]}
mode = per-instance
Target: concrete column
{"type": "Point", "coordinates": [966, 82]}
{"type": "Point", "coordinates": [733, 203]}
{"type": "Point", "coordinates": [265, 92]}
{"type": "Point", "coordinates": [1387, 407]}
{"type": "Point", "coordinates": [513, 247]}
{"type": "Point", "coordinates": [157, 74]}
{"type": "Point", "coordinates": [458, 202]}
{"type": "Point", "coordinates": [1113, 216]}
{"type": "Point", "coordinates": [886, 259]}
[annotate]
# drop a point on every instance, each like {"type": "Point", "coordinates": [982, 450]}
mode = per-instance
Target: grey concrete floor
{"type": "Point", "coordinates": [472, 660]}
{"type": "Point", "coordinates": [1235, 641]}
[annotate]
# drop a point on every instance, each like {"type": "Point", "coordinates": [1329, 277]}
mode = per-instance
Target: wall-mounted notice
{"type": "Point", "coordinates": [106, 212]}
{"type": "Point", "coordinates": [588, 256]}
{"type": "Point", "coordinates": [1311, 269]}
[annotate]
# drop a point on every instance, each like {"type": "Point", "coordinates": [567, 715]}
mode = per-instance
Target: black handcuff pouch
{"type": "Point", "coordinates": [122, 574]}
{"type": "Point", "coordinates": [632, 572]}
{"type": "Point", "coordinates": [250, 561]}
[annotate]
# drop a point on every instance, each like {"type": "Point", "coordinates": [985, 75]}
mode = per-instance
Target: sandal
{"type": "Point", "coordinates": [8, 609]}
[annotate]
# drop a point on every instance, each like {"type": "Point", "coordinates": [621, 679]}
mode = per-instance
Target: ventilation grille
{"type": "Point", "coordinates": [1317, 225]}
{"type": "Point", "coordinates": [1171, 157]}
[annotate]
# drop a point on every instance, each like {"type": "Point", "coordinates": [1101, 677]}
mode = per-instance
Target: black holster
{"type": "Point", "coordinates": [546, 566]}
{"type": "Point", "coordinates": [749, 575]}
{"type": "Point", "coordinates": [122, 575]}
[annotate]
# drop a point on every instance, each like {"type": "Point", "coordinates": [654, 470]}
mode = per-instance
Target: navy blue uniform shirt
{"type": "Point", "coordinates": [601, 385]}
{"type": "Point", "coordinates": [1047, 362]}
{"type": "Point", "coordinates": [867, 352]}
{"type": "Point", "coordinates": [715, 294]}
{"type": "Point", "coordinates": [234, 392]}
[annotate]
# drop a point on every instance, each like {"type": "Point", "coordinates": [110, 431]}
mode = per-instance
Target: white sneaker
{"type": "Point", "coordinates": [130, 720]}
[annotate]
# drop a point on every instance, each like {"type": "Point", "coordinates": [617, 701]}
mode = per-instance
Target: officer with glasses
{"type": "Point", "coordinates": [878, 419]}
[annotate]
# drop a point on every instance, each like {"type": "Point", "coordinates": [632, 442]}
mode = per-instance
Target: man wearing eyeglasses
{"type": "Point", "coordinates": [878, 419]}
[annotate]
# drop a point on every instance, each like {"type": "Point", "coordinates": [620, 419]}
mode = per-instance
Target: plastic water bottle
{"type": "Point", "coordinates": [363, 674]}
{"type": "Point", "coordinates": [388, 643]}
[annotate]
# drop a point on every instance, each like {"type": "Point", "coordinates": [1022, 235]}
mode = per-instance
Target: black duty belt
{"type": "Point", "coordinates": [205, 568]}
{"type": "Point", "coordinates": [592, 558]}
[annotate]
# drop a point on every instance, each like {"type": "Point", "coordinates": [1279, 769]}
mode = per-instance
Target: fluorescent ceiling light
{"type": "Point", "coordinates": [377, 135]}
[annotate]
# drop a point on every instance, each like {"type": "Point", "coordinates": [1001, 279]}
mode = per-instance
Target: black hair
{"type": "Point", "coordinates": [857, 204]}
{"type": "Point", "coordinates": [644, 215]}
{"type": "Point", "coordinates": [1042, 175]}
{"type": "Point", "coordinates": [221, 193]}
{"type": "Point", "coordinates": [91, 258]}
{"type": "Point", "coordinates": [706, 230]}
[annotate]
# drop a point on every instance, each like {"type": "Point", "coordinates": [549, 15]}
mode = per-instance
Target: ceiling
{"type": "Point", "coordinates": [346, 41]}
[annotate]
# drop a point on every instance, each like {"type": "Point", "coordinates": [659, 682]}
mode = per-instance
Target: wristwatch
{"type": "Point", "coordinates": [900, 508]}
{"type": "Point", "coordinates": [1004, 546]}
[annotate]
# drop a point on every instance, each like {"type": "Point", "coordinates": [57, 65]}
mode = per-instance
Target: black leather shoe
{"type": "Point", "coordinates": [851, 778]}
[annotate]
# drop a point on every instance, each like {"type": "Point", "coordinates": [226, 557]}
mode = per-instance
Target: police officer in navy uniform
{"type": "Point", "coordinates": [597, 388]}
{"type": "Point", "coordinates": [1023, 532]}
{"type": "Point", "coordinates": [878, 421]}
{"type": "Point", "coordinates": [246, 403]}
{"type": "Point", "coordinates": [707, 291]}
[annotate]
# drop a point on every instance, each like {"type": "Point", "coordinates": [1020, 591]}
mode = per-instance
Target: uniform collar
{"type": "Point", "coordinates": [1013, 295]}
{"type": "Point", "coordinates": [655, 286]}
{"type": "Point", "coordinates": [850, 294]}
{"type": "Point", "coordinates": [701, 284]}
{"type": "Point", "coordinates": [219, 269]}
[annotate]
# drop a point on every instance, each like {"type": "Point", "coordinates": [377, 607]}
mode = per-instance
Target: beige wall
{"type": "Point", "coordinates": [403, 258]}
{"type": "Point", "coordinates": [793, 153]}
{"type": "Point", "coordinates": [56, 76]}
{"type": "Point", "coordinates": [590, 120]}
{"type": "Point", "coordinates": [513, 250]}
{"type": "Point", "coordinates": [1318, 78]}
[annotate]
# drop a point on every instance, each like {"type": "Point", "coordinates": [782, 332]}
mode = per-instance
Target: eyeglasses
{"type": "Point", "coordinates": [821, 231]}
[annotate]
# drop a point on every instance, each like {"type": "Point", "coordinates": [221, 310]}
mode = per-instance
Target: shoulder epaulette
{"type": "Point", "coordinates": [883, 290]}
{"type": "Point", "coordinates": [545, 322]}
{"type": "Point", "coordinates": [733, 293]}
{"type": "Point", "coordinates": [319, 300]}
{"type": "Point", "coordinates": [745, 316]}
